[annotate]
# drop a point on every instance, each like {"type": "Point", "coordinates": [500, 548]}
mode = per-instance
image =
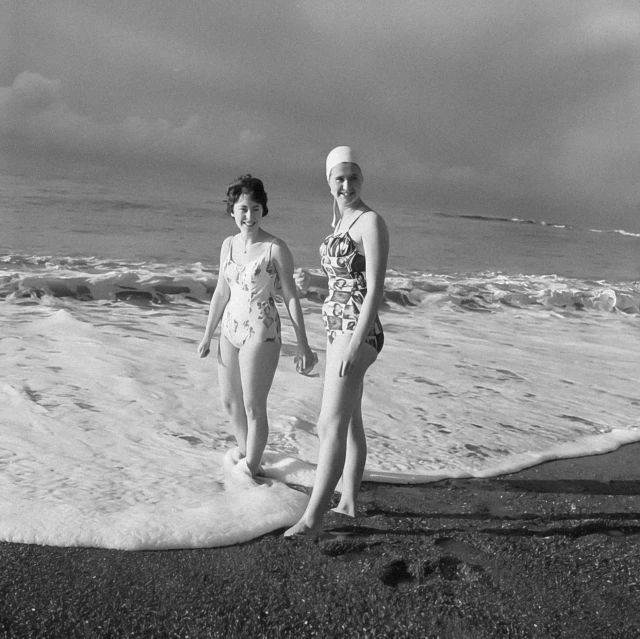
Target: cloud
{"type": "Point", "coordinates": [30, 95]}
{"type": "Point", "coordinates": [34, 118]}
{"type": "Point", "coordinates": [488, 104]}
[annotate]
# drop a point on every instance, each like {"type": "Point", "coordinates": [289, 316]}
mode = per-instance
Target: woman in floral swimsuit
{"type": "Point", "coordinates": [354, 257]}
{"type": "Point", "coordinates": [255, 267]}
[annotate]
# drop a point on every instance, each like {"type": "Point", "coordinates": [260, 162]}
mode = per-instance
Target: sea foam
{"type": "Point", "coordinates": [112, 433]}
{"type": "Point", "coordinates": [92, 279]}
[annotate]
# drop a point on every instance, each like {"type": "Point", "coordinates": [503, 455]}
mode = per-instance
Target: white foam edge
{"type": "Point", "coordinates": [584, 447]}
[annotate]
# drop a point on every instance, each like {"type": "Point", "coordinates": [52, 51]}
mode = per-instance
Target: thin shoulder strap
{"type": "Point", "coordinates": [353, 222]}
{"type": "Point", "coordinates": [270, 247]}
{"type": "Point", "coordinates": [229, 256]}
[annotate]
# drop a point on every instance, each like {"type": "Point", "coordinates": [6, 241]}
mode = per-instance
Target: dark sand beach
{"type": "Point", "coordinates": [553, 551]}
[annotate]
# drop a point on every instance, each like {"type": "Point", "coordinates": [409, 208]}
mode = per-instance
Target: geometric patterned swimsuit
{"type": "Point", "coordinates": [251, 311]}
{"type": "Point", "coordinates": [345, 267]}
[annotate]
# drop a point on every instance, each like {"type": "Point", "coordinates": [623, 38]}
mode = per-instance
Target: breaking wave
{"type": "Point", "coordinates": [35, 278]}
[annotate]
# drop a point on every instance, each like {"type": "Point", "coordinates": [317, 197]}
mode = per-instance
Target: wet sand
{"type": "Point", "coordinates": [552, 551]}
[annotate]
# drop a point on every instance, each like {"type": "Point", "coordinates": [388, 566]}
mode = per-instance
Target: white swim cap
{"type": "Point", "coordinates": [339, 155]}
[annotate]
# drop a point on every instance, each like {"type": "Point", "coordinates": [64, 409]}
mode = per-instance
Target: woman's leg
{"type": "Point", "coordinates": [355, 461]}
{"type": "Point", "coordinates": [340, 397]}
{"type": "Point", "coordinates": [258, 362]}
{"type": "Point", "coordinates": [231, 390]}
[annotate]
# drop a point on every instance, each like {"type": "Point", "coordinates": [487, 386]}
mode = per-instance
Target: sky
{"type": "Point", "coordinates": [529, 109]}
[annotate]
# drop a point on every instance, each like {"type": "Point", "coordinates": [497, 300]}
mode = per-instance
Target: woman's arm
{"type": "Point", "coordinates": [283, 261]}
{"type": "Point", "coordinates": [375, 247]}
{"type": "Point", "coordinates": [219, 300]}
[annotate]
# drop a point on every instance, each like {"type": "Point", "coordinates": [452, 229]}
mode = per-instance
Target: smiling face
{"type": "Point", "coordinates": [247, 213]}
{"type": "Point", "coordinates": [345, 182]}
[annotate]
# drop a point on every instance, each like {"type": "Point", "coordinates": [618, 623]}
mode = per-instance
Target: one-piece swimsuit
{"type": "Point", "coordinates": [346, 269]}
{"type": "Point", "coordinates": [251, 311]}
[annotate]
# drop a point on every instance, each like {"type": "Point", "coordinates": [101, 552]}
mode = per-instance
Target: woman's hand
{"type": "Point", "coordinates": [302, 280]}
{"type": "Point", "coordinates": [349, 360]}
{"type": "Point", "coordinates": [305, 360]}
{"type": "Point", "coordinates": [204, 347]}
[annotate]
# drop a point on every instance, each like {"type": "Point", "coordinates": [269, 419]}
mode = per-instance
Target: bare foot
{"type": "Point", "coordinates": [258, 472]}
{"type": "Point", "coordinates": [302, 531]}
{"type": "Point", "coordinates": [349, 511]}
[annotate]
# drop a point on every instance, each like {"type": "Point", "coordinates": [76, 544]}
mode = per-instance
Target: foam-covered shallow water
{"type": "Point", "coordinates": [111, 436]}
{"type": "Point", "coordinates": [112, 433]}
{"type": "Point", "coordinates": [508, 342]}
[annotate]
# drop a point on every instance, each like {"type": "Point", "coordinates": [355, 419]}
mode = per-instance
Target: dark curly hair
{"type": "Point", "coordinates": [249, 185]}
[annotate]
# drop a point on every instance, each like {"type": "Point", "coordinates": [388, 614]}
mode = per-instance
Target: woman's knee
{"type": "Point", "coordinates": [232, 405]}
{"type": "Point", "coordinates": [255, 411]}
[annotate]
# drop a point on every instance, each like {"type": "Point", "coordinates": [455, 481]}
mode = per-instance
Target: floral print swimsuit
{"type": "Point", "coordinates": [251, 312]}
{"type": "Point", "coordinates": [345, 268]}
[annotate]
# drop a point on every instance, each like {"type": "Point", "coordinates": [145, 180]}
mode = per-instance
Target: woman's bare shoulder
{"type": "Point", "coordinates": [371, 220]}
{"type": "Point", "coordinates": [370, 216]}
{"type": "Point", "coordinates": [279, 249]}
{"type": "Point", "coordinates": [278, 244]}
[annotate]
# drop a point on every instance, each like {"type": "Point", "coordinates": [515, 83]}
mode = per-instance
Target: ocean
{"type": "Point", "coordinates": [509, 342]}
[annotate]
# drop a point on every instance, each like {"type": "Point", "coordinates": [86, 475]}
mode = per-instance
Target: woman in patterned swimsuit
{"type": "Point", "coordinates": [354, 258]}
{"type": "Point", "coordinates": [255, 266]}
